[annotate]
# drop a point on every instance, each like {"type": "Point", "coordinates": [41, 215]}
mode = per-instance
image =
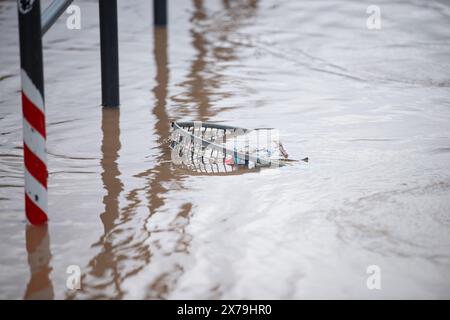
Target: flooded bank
{"type": "Point", "coordinates": [370, 108]}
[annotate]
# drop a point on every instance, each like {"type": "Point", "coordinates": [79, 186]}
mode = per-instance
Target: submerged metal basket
{"type": "Point", "coordinates": [215, 148]}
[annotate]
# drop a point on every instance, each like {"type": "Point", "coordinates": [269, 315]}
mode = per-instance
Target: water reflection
{"type": "Point", "coordinates": [133, 237]}
{"type": "Point", "coordinates": [104, 265]}
{"type": "Point", "coordinates": [128, 243]}
{"type": "Point", "coordinates": [159, 177]}
{"type": "Point", "coordinates": [110, 175]}
{"type": "Point", "coordinates": [205, 76]}
{"type": "Point", "coordinates": [103, 276]}
{"type": "Point", "coordinates": [162, 125]}
{"type": "Point", "coordinates": [39, 256]}
{"type": "Point", "coordinates": [206, 72]}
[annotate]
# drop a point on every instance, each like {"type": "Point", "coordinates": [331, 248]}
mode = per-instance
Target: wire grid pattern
{"type": "Point", "coordinates": [202, 147]}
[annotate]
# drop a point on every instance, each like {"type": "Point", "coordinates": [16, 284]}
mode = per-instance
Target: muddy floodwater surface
{"type": "Point", "coordinates": [370, 108]}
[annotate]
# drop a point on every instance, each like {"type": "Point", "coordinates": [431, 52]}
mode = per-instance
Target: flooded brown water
{"type": "Point", "coordinates": [370, 108]}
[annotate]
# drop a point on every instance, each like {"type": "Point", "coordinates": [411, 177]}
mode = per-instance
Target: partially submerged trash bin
{"type": "Point", "coordinates": [215, 148]}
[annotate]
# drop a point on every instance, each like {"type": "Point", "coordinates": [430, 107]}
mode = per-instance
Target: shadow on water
{"type": "Point", "coordinates": [132, 238]}
{"type": "Point", "coordinates": [39, 256]}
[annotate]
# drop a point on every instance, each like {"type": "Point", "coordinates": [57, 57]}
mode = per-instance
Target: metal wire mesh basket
{"type": "Point", "coordinates": [215, 148]}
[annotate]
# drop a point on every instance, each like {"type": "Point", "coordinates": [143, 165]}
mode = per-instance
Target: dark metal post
{"type": "Point", "coordinates": [160, 12]}
{"type": "Point", "coordinates": [52, 13]}
{"type": "Point", "coordinates": [33, 111]}
{"type": "Point", "coordinates": [109, 51]}
{"type": "Point", "coordinates": [31, 42]}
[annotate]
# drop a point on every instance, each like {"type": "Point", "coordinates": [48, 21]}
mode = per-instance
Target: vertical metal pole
{"type": "Point", "coordinates": [160, 12]}
{"type": "Point", "coordinates": [109, 51]}
{"type": "Point", "coordinates": [34, 136]}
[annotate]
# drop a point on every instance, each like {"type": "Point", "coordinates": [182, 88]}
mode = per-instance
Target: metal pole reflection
{"type": "Point", "coordinates": [39, 286]}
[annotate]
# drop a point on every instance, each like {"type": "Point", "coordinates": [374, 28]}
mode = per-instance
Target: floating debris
{"type": "Point", "coordinates": [216, 148]}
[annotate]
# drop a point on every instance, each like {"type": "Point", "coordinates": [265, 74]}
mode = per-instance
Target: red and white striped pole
{"type": "Point", "coordinates": [34, 137]}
